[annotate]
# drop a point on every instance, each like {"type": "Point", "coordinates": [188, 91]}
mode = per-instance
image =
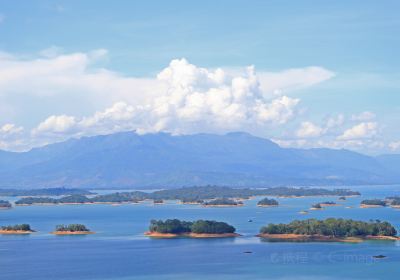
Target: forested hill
{"type": "Point", "coordinates": [161, 160]}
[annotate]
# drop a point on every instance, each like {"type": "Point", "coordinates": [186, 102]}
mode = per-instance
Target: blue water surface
{"type": "Point", "coordinates": [119, 250]}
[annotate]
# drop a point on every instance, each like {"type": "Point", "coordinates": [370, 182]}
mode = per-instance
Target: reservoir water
{"type": "Point", "coordinates": [119, 250]}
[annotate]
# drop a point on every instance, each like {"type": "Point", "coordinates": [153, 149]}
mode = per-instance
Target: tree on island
{"type": "Point", "coordinates": [175, 226]}
{"type": "Point", "coordinates": [5, 204]}
{"type": "Point", "coordinates": [222, 201]}
{"type": "Point", "coordinates": [316, 206]}
{"type": "Point", "coordinates": [72, 228]}
{"type": "Point", "coordinates": [36, 200]}
{"type": "Point", "coordinates": [75, 198]}
{"type": "Point", "coordinates": [332, 227]}
{"type": "Point", "coordinates": [211, 227]}
{"type": "Point", "coordinates": [372, 202]}
{"type": "Point", "coordinates": [20, 227]}
{"type": "Point", "coordinates": [268, 202]}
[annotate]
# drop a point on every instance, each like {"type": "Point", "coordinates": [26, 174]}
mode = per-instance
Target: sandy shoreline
{"type": "Point", "coordinates": [322, 238]}
{"type": "Point", "coordinates": [190, 235]}
{"type": "Point", "coordinates": [329, 205]}
{"type": "Point", "coordinates": [16, 231]}
{"type": "Point", "coordinates": [371, 206]}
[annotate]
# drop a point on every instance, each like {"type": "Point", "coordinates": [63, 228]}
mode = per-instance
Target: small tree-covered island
{"type": "Point", "coordinates": [331, 229]}
{"type": "Point", "coordinates": [393, 201]}
{"type": "Point", "coordinates": [266, 202]}
{"type": "Point", "coordinates": [16, 229]}
{"type": "Point", "coordinates": [222, 202]}
{"type": "Point", "coordinates": [316, 206]}
{"type": "Point", "coordinates": [197, 229]}
{"type": "Point", "coordinates": [4, 204]}
{"type": "Point", "coordinates": [372, 203]}
{"type": "Point", "coordinates": [72, 229]}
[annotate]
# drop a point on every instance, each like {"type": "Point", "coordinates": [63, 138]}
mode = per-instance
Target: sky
{"type": "Point", "coordinates": [305, 74]}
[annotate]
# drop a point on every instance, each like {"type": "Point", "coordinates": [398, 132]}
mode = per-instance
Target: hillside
{"type": "Point", "coordinates": [127, 159]}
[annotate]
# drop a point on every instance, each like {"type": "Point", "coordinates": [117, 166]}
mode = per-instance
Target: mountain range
{"type": "Point", "coordinates": [127, 159]}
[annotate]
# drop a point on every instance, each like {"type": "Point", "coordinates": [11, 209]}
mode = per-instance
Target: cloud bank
{"type": "Point", "coordinates": [181, 99]}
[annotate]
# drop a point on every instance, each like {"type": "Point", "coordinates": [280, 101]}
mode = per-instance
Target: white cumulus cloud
{"type": "Point", "coordinates": [195, 100]}
{"type": "Point", "coordinates": [182, 98]}
{"type": "Point", "coordinates": [360, 131]}
{"type": "Point", "coordinates": [309, 130]}
{"type": "Point", "coordinates": [364, 116]}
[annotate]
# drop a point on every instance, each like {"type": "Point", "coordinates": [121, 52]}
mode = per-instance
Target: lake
{"type": "Point", "coordinates": [119, 250]}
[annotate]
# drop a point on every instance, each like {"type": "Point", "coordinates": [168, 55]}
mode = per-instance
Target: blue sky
{"type": "Point", "coordinates": [354, 42]}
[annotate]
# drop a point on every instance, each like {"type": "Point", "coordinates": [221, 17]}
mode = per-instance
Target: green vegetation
{"type": "Point", "coordinates": [374, 202]}
{"type": "Point", "coordinates": [189, 194]}
{"type": "Point", "coordinates": [21, 227]}
{"type": "Point", "coordinates": [342, 198]}
{"type": "Point", "coordinates": [222, 202]}
{"type": "Point", "coordinates": [5, 204]}
{"type": "Point", "coordinates": [72, 228]}
{"type": "Point", "coordinates": [43, 192]}
{"type": "Point", "coordinates": [35, 200]}
{"type": "Point", "coordinates": [267, 202]}
{"type": "Point", "coordinates": [194, 201]}
{"type": "Point", "coordinates": [119, 197]}
{"type": "Point", "coordinates": [332, 227]}
{"type": "Point", "coordinates": [107, 198]}
{"type": "Point", "coordinates": [176, 226]}
{"type": "Point", "coordinates": [212, 192]}
{"type": "Point", "coordinates": [211, 227]}
{"type": "Point", "coordinates": [75, 198]}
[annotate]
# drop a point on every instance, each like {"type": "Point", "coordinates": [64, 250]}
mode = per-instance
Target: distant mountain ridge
{"type": "Point", "coordinates": [127, 159]}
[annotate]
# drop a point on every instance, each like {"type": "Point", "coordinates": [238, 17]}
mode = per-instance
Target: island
{"type": "Point", "coordinates": [222, 202]}
{"type": "Point", "coordinates": [316, 206]}
{"type": "Point", "coordinates": [328, 203]}
{"type": "Point", "coordinates": [266, 202]}
{"type": "Point", "coordinates": [72, 229]}
{"type": "Point", "coordinates": [78, 199]}
{"type": "Point", "coordinates": [342, 198]}
{"type": "Point", "coordinates": [213, 192]}
{"type": "Point", "coordinates": [188, 194]}
{"type": "Point", "coordinates": [16, 229]}
{"type": "Point", "coordinates": [372, 203]}
{"type": "Point", "coordinates": [192, 201]}
{"type": "Point", "coordinates": [393, 201]}
{"type": "Point", "coordinates": [198, 229]}
{"type": "Point", "coordinates": [26, 201]}
{"type": "Point", "coordinates": [158, 201]}
{"type": "Point", "coordinates": [331, 229]}
{"type": "Point", "coordinates": [4, 204]}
